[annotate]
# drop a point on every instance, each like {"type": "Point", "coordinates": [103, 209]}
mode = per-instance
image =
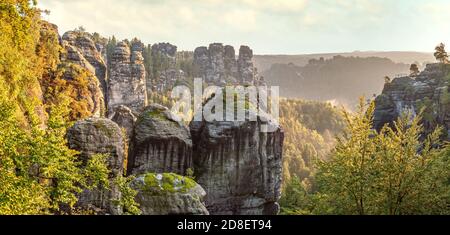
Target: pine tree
{"type": "Point", "coordinates": [440, 54]}
{"type": "Point", "coordinates": [414, 70]}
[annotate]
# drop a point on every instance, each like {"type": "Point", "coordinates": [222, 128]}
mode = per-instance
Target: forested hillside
{"type": "Point", "coordinates": [339, 79]}
{"type": "Point", "coordinates": [310, 128]}
{"type": "Point", "coordinates": [264, 62]}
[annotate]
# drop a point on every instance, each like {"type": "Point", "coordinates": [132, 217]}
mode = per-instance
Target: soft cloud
{"type": "Point", "coordinates": [269, 26]}
{"type": "Point", "coordinates": [277, 5]}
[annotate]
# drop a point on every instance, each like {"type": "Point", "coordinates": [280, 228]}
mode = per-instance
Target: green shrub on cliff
{"type": "Point", "coordinates": [39, 174]}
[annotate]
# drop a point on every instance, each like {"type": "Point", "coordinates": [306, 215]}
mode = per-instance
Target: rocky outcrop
{"type": "Point", "coordinates": [217, 65]}
{"type": "Point", "coordinates": [161, 143]}
{"type": "Point", "coordinates": [231, 66]}
{"type": "Point", "coordinates": [165, 49]}
{"type": "Point", "coordinates": [169, 194]}
{"type": "Point", "coordinates": [125, 118]}
{"type": "Point", "coordinates": [74, 64]}
{"type": "Point", "coordinates": [99, 136]}
{"type": "Point", "coordinates": [239, 165]}
{"type": "Point", "coordinates": [245, 65]}
{"type": "Point", "coordinates": [126, 85]}
{"type": "Point", "coordinates": [88, 48]}
{"type": "Point", "coordinates": [429, 91]}
{"type": "Point", "coordinates": [165, 60]}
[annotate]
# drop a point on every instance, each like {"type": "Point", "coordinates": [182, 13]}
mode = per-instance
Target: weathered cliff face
{"type": "Point", "coordinates": [160, 143]}
{"type": "Point", "coordinates": [429, 91]}
{"type": "Point", "coordinates": [169, 194]}
{"type": "Point", "coordinates": [99, 136]}
{"type": "Point", "coordinates": [73, 56]}
{"type": "Point", "coordinates": [238, 165]}
{"type": "Point", "coordinates": [217, 65]}
{"type": "Point", "coordinates": [125, 118]}
{"type": "Point", "coordinates": [164, 56]}
{"type": "Point", "coordinates": [88, 49]}
{"type": "Point", "coordinates": [247, 71]}
{"type": "Point", "coordinates": [126, 85]}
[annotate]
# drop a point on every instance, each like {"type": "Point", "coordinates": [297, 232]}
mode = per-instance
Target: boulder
{"type": "Point", "coordinates": [99, 136]}
{"type": "Point", "coordinates": [161, 143]}
{"type": "Point", "coordinates": [169, 194]}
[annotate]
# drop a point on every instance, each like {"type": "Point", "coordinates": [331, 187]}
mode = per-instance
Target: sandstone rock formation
{"type": "Point", "coordinates": [99, 136]}
{"type": "Point", "coordinates": [125, 118]}
{"type": "Point", "coordinates": [239, 165]}
{"type": "Point", "coordinates": [164, 57]}
{"type": "Point", "coordinates": [429, 91]}
{"type": "Point", "coordinates": [245, 65]}
{"type": "Point", "coordinates": [70, 59]}
{"type": "Point", "coordinates": [160, 143]}
{"type": "Point", "coordinates": [88, 48]}
{"type": "Point", "coordinates": [217, 65]}
{"type": "Point", "coordinates": [126, 85]}
{"type": "Point", "coordinates": [169, 194]}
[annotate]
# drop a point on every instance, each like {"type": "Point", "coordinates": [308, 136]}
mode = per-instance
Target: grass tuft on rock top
{"type": "Point", "coordinates": [167, 183]}
{"type": "Point", "coordinates": [156, 114]}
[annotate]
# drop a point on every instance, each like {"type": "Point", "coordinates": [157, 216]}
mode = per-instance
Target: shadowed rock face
{"type": "Point", "coordinates": [126, 85]}
{"type": "Point", "coordinates": [125, 118]}
{"type": "Point", "coordinates": [99, 136]}
{"type": "Point", "coordinates": [238, 165]}
{"type": "Point", "coordinates": [169, 194]}
{"type": "Point", "coordinates": [160, 143]}
{"type": "Point", "coordinates": [429, 90]}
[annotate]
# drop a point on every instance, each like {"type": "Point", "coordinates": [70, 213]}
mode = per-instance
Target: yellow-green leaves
{"type": "Point", "coordinates": [396, 171]}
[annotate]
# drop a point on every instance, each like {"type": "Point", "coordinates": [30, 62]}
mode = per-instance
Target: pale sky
{"type": "Point", "coordinates": [267, 26]}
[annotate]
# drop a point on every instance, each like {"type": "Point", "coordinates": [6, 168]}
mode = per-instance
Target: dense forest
{"type": "Point", "coordinates": [310, 128]}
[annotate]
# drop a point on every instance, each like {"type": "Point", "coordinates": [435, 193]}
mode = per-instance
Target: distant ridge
{"type": "Point", "coordinates": [263, 62]}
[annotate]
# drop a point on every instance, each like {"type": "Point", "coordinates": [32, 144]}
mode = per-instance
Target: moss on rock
{"type": "Point", "coordinates": [161, 183]}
